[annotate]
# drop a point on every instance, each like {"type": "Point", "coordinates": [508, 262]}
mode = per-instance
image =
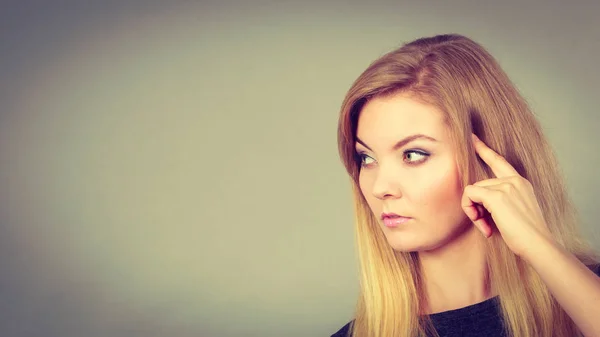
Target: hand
{"type": "Point", "coordinates": [508, 200]}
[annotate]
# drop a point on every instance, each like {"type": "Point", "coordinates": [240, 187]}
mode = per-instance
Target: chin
{"type": "Point", "coordinates": [407, 242]}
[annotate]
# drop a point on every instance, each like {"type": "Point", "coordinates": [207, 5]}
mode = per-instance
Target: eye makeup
{"type": "Point", "coordinates": [360, 156]}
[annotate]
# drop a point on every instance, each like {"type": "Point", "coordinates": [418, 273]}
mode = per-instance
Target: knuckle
{"type": "Point", "coordinates": [498, 194]}
{"type": "Point", "coordinates": [510, 188]}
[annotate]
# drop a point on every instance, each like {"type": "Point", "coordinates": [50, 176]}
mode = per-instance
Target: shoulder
{"type": "Point", "coordinates": [344, 331]}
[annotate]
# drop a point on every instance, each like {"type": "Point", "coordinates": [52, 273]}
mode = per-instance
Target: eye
{"type": "Point", "coordinates": [410, 157]}
{"type": "Point", "coordinates": [363, 159]}
{"type": "Point", "coordinates": [414, 156]}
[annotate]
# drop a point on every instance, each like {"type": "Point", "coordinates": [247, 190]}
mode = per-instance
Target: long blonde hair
{"type": "Point", "coordinates": [460, 78]}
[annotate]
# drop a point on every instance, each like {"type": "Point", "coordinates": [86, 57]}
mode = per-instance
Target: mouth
{"type": "Point", "coordinates": [392, 220]}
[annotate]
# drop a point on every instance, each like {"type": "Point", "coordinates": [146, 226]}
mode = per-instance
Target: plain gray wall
{"type": "Point", "coordinates": [170, 168]}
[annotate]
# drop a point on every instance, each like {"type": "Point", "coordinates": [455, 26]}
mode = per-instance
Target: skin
{"type": "Point", "coordinates": [511, 201]}
{"type": "Point", "coordinates": [447, 221]}
{"type": "Point", "coordinates": [427, 189]}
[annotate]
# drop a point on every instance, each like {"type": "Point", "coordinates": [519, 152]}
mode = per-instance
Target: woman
{"type": "Point", "coordinates": [464, 226]}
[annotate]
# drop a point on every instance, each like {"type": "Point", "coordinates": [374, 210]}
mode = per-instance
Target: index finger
{"type": "Point", "coordinates": [496, 162]}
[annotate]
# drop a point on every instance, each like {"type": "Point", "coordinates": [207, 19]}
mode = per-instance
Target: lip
{"type": "Point", "coordinates": [394, 220]}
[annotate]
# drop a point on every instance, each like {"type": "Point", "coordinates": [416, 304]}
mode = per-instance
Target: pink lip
{"type": "Point", "coordinates": [393, 220]}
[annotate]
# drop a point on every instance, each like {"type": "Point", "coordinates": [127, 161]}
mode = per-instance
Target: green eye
{"type": "Point", "coordinates": [363, 159]}
{"type": "Point", "coordinates": [410, 157]}
{"type": "Point", "coordinates": [413, 156]}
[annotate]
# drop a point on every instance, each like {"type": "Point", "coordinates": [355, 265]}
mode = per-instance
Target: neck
{"type": "Point", "coordinates": [455, 274]}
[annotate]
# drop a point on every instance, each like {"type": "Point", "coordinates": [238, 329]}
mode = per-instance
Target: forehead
{"type": "Point", "coordinates": [391, 118]}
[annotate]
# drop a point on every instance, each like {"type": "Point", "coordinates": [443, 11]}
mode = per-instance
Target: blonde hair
{"type": "Point", "coordinates": [460, 78]}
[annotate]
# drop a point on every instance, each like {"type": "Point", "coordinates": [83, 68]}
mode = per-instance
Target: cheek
{"type": "Point", "coordinates": [365, 184]}
{"type": "Point", "coordinates": [440, 194]}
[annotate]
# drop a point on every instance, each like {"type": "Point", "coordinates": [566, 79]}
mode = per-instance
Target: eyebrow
{"type": "Point", "coordinates": [402, 142]}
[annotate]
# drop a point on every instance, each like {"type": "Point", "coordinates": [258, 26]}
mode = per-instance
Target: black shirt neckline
{"type": "Point", "coordinates": [485, 306]}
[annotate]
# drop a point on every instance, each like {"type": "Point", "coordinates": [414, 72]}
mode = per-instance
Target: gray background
{"type": "Point", "coordinates": [170, 168]}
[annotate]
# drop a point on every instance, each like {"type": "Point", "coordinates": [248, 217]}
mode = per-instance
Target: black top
{"type": "Point", "coordinates": [480, 319]}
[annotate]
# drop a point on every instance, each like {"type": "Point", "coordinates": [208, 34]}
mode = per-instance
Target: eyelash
{"type": "Point", "coordinates": [359, 157]}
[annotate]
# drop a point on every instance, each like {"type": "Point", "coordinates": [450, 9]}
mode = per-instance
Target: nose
{"type": "Point", "coordinates": [387, 183]}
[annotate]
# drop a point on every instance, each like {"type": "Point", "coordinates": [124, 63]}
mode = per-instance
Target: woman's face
{"type": "Point", "coordinates": [409, 168]}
